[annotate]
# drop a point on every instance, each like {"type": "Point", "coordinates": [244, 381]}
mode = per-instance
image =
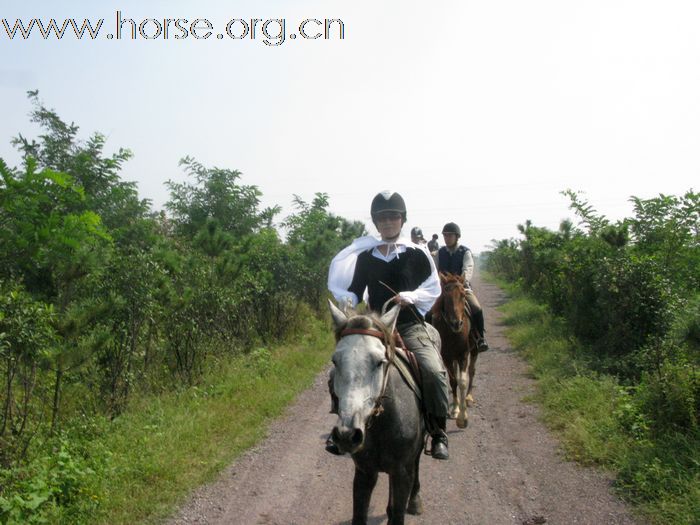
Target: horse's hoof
{"type": "Point", "coordinates": [470, 401]}
{"type": "Point", "coordinates": [462, 423]}
{"type": "Point", "coordinates": [415, 506]}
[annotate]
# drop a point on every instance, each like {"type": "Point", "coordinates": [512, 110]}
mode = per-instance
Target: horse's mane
{"type": "Point", "coordinates": [451, 278]}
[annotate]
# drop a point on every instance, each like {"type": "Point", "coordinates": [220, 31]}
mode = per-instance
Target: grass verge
{"type": "Point", "coordinates": [600, 422]}
{"type": "Point", "coordinates": [156, 453]}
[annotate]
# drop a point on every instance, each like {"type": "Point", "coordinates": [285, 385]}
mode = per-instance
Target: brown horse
{"type": "Point", "coordinates": [459, 351]}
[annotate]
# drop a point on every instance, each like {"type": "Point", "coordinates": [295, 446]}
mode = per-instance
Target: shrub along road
{"type": "Point", "coordinates": [504, 467]}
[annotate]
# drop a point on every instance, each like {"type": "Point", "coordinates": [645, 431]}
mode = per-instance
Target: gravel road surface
{"type": "Point", "coordinates": [504, 468]}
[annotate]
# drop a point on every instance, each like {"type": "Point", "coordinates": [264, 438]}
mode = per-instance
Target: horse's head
{"type": "Point", "coordinates": [450, 306]}
{"type": "Point", "coordinates": [360, 361]}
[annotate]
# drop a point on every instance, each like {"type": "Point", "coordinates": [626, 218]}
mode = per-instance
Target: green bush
{"type": "Point", "coordinates": [685, 331]}
{"type": "Point", "coordinates": [662, 469]}
{"type": "Point", "coordinates": [671, 398]}
{"type": "Point", "coordinates": [636, 307]}
{"type": "Point", "coordinates": [621, 288]}
{"type": "Point", "coordinates": [36, 492]}
{"type": "Point", "coordinates": [27, 349]}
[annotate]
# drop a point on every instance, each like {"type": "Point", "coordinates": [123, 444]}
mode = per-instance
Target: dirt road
{"type": "Point", "coordinates": [504, 467]}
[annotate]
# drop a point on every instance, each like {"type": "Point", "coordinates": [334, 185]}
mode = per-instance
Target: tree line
{"type": "Point", "coordinates": [629, 291]}
{"type": "Point", "coordinates": [102, 297]}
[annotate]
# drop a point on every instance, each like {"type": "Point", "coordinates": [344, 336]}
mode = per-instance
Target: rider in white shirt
{"type": "Point", "coordinates": [393, 268]}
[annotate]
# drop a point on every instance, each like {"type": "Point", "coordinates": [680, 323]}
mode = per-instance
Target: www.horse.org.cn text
{"type": "Point", "coordinates": [270, 31]}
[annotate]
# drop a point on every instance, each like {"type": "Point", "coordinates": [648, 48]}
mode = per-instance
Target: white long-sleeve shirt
{"type": "Point", "coordinates": [342, 269]}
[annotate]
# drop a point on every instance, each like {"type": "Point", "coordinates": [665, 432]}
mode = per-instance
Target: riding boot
{"type": "Point", "coordinates": [334, 403]}
{"type": "Point", "coordinates": [437, 427]}
{"type": "Point", "coordinates": [330, 444]}
{"type": "Point", "coordinates": [334, 398]}
{"type": "Point", "coordinates": [481, 343]}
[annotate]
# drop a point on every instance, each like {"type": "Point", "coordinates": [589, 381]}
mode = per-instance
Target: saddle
{"type": "Point", "coordinates": [407, 366]}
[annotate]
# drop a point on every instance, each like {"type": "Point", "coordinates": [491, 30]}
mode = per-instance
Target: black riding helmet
{"type": "Point", "coordinates": [451, 227]}
{"type": "Point", "coordinates": [388, 201]}
{"type": "Point", "coordinates": [416, 232]}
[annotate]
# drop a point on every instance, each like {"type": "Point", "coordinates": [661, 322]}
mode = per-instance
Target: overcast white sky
{"type": "Point", "coordinates": [476, 112]}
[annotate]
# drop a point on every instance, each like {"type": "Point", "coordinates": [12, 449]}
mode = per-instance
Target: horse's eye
{"type": "Point", "coordinates": [333, 361]}
{"type": "Point", "coordinates": [381, 363]}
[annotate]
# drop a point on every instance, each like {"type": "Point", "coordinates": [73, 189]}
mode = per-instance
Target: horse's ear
{"type": "Point", "coordinates": [339, 318]}
{"type": "Point", "coordinates": [389, 318]}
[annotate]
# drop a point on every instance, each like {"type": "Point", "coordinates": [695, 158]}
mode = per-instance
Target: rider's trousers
{"type": "Point", "coordinates": [424, 340]}
{"type": "Point", "coordinates": [477, 314]}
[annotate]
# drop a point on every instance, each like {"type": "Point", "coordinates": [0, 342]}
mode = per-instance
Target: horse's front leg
{"type": "Point", "coordinates": [415, 503]}
{"type": "Point", "coordinates": [400, 485]}
{"type": "Point", "coordinates": [362, 487]}
{"type": "Point", "coordinates": [454, 406]}
{"type": "Point", "coordinates": [473, 354]}
{"type": "Point", "coordinates": [462, 420]}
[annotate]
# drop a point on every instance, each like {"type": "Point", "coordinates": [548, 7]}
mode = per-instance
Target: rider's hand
{"type": "Point", "coordinates": [400, 300]}
{"type": "Point", "coordinates": [346, 305]}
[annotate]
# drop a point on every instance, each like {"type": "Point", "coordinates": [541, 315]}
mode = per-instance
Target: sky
{"type": "Point", "coordinates": [479, 113]}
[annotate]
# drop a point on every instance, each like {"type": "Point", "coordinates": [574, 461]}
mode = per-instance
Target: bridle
{"type": "Point", "coordinates": [389, 351]}
{"type": "Point", "coordinates": [449, 286]}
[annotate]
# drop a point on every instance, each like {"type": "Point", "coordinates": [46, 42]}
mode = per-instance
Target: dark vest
{"type": "Point", "coordinates": [451, 262]}
{"type": "Point", "coordinates": [383, 280]}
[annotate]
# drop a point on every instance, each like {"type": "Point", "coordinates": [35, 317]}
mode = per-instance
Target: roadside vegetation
{"type": "Point", "coordinates": [608, 315]}
{"type": "Point", "coordinates": [134, 343]}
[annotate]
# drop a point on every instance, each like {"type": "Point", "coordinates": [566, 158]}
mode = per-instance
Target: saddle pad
{"type": "Point", "coordinates": [408, 368]}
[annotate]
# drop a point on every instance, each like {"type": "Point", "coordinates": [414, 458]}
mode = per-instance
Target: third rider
{"type": "Point", "coordinates": [457, 259]}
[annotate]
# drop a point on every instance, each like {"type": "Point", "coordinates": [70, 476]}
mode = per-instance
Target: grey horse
{"type": "Point", "coordinates": [379, 417]}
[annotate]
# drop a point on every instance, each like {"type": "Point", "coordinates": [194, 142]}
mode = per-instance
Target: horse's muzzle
{"type": "Point", "coordinates": [349, 439]}
{"type": "Point", "coordinates": [456, 326]}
